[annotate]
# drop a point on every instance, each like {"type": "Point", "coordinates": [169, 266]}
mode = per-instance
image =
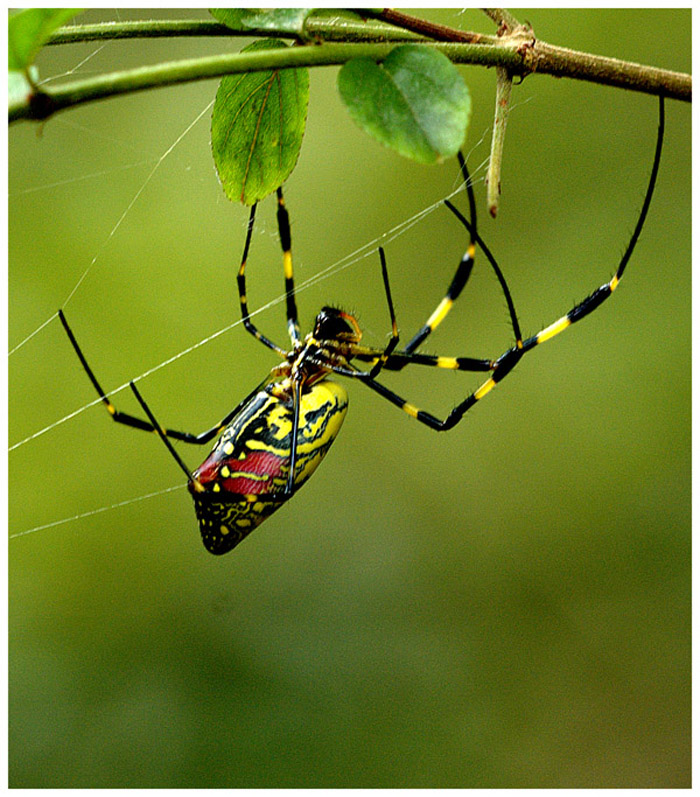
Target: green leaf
{"type": "Point", "coordinates": [280, 20]}
{"type": "Point", "coordinates": [257, 126]}
{"type": "Point", "coordinates": [415, 101]}
{"type": "Point", "coordinates": [29, 29]}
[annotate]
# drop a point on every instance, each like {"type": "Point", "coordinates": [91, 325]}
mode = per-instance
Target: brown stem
{"type": "Point", "coordinates": [433, 30]}
{"type": "Point", "coordinates": [539, 56]}
{"type": "Point", "coordinates": [562, 62]}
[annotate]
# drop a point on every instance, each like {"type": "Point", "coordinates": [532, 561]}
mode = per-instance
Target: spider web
{"type": "Point", "coordinates": [134, 205]}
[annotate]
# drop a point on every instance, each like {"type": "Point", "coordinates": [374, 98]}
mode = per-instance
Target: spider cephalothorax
{"type": "Point", "coordinates": [334, 324]}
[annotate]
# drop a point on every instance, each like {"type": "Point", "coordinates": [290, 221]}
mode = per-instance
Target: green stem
{"type": "Point", "coordinates": [336, 29]}
{"type": "Point", "coordinates": [150, 28]}
{"type": "Point", "coordinates": [95, 88]}
{"type": "Point", "coordinates": [519, 55]}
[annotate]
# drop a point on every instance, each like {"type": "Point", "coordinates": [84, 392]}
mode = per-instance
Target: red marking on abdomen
{"type": "Point", "coordinates": [259, 463]}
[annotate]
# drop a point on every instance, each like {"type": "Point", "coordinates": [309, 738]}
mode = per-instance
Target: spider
{"type": "Point", "coordinates": [275, 438]}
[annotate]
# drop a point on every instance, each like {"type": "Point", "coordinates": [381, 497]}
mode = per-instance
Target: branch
{"type": "Point", "coordinates": [503, 18]}
{"type": "Point", "coordinates": [45, 103]}
{"type": "Point", "coordinates": [146, 29]}
{"type": "Point", "coordinates": [336, 29]}
{"type": "Point", "coordinates": [551, 60]}
{"type": "Point", "coordinates": [504, 84]}
{"type": "Point", "coordinates": [538, 56]}
{"type": "Point", "coordinates": [520, 55]}
{"type": "Point", "coordinates": [432, 30]}
{"type": "Point", "coordinates": [508, 25]}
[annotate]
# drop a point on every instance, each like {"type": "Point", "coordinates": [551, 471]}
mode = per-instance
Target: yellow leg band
{"type": "Point", "coordinates": [410, 409]}
{"type": "Point", "coordinates": [441, 311]}
{"type": "Point", "coordinates": [487, 387]}
{"type": "Point", "coordinates": [554, 329]}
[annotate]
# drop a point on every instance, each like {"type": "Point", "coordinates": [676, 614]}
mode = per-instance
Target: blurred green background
{"type": "Point", "coordinates": [507, 605]}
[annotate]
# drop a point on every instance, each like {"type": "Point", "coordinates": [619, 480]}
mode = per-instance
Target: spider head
{"type": "Point", "coordinates": [334, 324]}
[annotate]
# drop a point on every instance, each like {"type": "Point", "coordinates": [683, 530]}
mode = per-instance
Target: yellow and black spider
{"type": "Point", "coordinates": [278, 434]}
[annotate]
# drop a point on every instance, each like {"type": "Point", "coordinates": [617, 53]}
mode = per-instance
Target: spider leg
{"type": "Point", "coordinates": [510, 358]}
{"type": "Point", "coordinates": [464, 271]}
{"type": "Point", "coordinates": [163, 436]}
{"type": "Point", "coordinates": [503, 366]}
{"type": "Point", "coordinates": [296, 403]}
{"type": "Point", "coordinates": [460, 278]}
{"type": "Point", "coordinates": [582, 309]}
{"type": "Point", "coordinates": [471, 228]}
{"type": "Point", "coordinates": [383, 357]}
{"type": "Point", "coordinates": [398, 360]}
{"type": "Point", "coordinates": [245, 315]}
{"type": "Point", "coordinates": [138, 423]}
{"type": "Point", "coordinates": [286, 243]}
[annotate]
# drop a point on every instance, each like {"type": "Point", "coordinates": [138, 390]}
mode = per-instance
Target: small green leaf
{"type": "Point", "coordinates": [29, 29]}
{"type": "Point", "coordinates": [415, 101]}
{"type": "Point", "coordinates": [280, 20]}
{"type": "Point", "coordinates": [257, 126]}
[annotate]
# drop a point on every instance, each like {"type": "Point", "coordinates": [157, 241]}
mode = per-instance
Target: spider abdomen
{"type": "Point", "coordinates": [245, 475]}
